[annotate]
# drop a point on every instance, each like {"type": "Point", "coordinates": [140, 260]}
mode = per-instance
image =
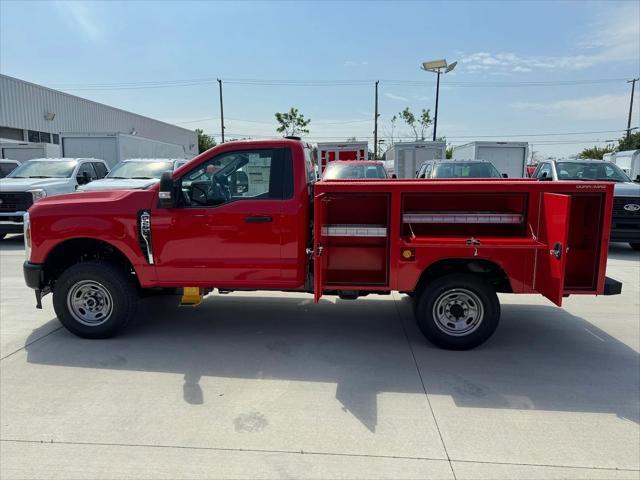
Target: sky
{"type": "Point", "coordinates": [525, 69]}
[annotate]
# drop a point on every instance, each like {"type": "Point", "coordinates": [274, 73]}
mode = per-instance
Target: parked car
{"type": "Point", "coordinates": [39, 178]}
{"type": "Point", "coordinates": [355, 170]}
{"type": "Point", "coordinates": [458, 169]}
{"type": "Point", "coordinates": [625, 226]}
{"type": "Point", "coordinates": [7, 166]}
{"type": "Point", "coordinates": [135, 173]}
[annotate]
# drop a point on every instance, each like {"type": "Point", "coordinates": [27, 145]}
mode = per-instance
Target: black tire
{"type": "Point", "coordinates": [461, 295]}
{"type": "Point", "coordinates": [114, 284]}
{"type": "Point", "coordinates": [635, 246]}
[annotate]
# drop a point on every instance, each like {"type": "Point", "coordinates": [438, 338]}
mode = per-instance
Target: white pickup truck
{"type": "Point", "coordinates": [134, 174]}
{"type": "Point", "coordinates": [39, 178]}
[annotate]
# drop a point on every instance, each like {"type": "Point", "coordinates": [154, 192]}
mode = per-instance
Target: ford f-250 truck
{"type": "Point", "coordinates": [450, 244]}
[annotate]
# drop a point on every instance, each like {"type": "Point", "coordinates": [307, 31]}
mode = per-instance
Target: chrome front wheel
{"type": "Point", "coordinates": [90, 303]}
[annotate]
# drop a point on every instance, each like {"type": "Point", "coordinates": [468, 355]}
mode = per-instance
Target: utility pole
{"type": "Point", "coordinates": [633, 87]}
{"type": "Point", "coordinates": [221, 111]}
{"type": "Point", "coordinates": [435, 119]}
{"type": "Point", "coordinates": [375, 126]}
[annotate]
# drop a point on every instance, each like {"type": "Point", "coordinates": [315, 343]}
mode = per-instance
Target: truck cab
{"type": "Point", "coordinates": [249, 215]}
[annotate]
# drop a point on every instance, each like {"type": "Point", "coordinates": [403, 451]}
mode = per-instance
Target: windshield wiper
{"type": "Point", "coordinates": [608, 180]}
{"type": "Point", "coordinates": [143, 178]}
{"type": "Point", "coordinates": [40, 176]}
{"type": "Point", "coordinates": [119, 178]}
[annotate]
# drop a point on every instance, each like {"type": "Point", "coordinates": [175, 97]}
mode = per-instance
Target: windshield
{"type": "Point", "coordinates": [6, 169]}
{"type": "Point", "coordinates": [339, 171]}
{"type": "Point", "coordinates": [52, 169]}
{"type": "Point", "coordinates": [465, 170]}
{"type": "Point", "coordinates": [590, 171]}
{"type": "Point", "coordinates": [150, 170]}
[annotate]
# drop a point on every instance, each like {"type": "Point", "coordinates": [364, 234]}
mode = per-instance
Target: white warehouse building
{"type": "Point", "coordinates": [37, 121]}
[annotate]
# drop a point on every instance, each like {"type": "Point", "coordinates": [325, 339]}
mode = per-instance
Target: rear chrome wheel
{"type": "Point", "coordinates": [458, 311]}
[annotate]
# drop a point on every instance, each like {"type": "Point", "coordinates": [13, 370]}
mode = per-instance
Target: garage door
{"type": "Point", "coordinates": [103, 148]}
{"type": "Point", "coordinates": [22, 154]}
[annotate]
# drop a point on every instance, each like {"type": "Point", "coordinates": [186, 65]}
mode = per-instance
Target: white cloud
{"type": "Point", "coordinates": [600, 107]}
{"type": "Point", "coordinates": [614, 36]}
{"type": "Point", "coordinates": [396, 97]}
{"type": "Point", "coordinates": [80, 15]}
{"type": "Point", "coordinates": [352, 63]}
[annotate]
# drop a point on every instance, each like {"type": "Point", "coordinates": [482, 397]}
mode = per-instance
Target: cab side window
{"type": "Point", "coordinates": [87, 168]}
{"type": "Point", "coordinates": [544, 171]}
{"type": "Point", "coordinates": [427, 173]}
{"type": "Point", "coordinates": [265, 174]}
{"type": "Point", "coordinates": [101, 169]}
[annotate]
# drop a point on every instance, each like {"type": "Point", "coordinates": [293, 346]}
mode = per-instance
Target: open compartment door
{"type": "Point", "coordinates": [319, 245]}
{"type": "Point", "coordinates": [554, 232]}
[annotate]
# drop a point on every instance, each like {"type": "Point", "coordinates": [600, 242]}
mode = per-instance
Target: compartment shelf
{"type": "Point", "coordinates": [463, 218]}
{"type": "Point", "coordinates": [353, 230]}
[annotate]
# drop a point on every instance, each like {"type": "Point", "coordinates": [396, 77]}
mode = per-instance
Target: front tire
{"type": "Point", "coordinates": [458, 311]}
{"type": "Point", "coordinates": [635, 246]}
{"type": "Point", "coordinates": [94, 299]}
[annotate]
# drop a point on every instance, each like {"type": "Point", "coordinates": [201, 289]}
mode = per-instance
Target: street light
{"type": "Point", "coordinates": [436, 66]}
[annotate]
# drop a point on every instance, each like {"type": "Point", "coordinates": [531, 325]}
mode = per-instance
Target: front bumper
{"type": "Point", "coordinates": [625, 229]}
{"type": "Point", "coordinates": [33, 275]}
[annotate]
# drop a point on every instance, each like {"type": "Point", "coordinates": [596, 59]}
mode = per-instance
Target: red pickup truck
{"type": "Point", "coordinates": [249, 215]}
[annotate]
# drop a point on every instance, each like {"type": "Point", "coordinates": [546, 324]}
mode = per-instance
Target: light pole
{"type": "Point", "coordinates": [436, 66]}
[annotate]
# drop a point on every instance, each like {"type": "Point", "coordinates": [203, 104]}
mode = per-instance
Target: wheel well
{"type": "Point", "coordinates": [78, 250]}
{"type": "Point", "coordinates": [489, 271]}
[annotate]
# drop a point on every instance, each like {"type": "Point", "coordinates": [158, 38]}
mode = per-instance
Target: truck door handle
{"type": "Point", "coordinates": [557, 250]}
{"type": "Point", "coordinates": [258, 219]}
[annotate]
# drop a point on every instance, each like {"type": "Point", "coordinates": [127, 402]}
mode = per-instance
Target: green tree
{"type": "Point", "coordinates": [410, 119]}
{"type": "Point", "coordinates": [292, 123]}
{"type": "Point", "coordinates": [596, 152]}
{"type": "Point", "coordinates": [205, 142]}
{"type": "Point", "coordinates": [425, 122]}
{"type": "Point", "coordinates": [422, 123]}
{"type": "Point", "coordinates": [631, 143]}
{"type": "Point", "coordinates": [449, 152]}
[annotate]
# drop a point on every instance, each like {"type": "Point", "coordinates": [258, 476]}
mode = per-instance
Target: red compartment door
{"type": "Point", "coordinates": [319, 245]}
{"type": "Point", "coordinates": [554, 232]}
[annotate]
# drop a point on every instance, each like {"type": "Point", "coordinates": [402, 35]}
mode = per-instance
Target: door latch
{"type": "Point", "coordinates": [474, 242]}
{"type": "Point", "coordinates": [319, 249]}
{"type": "Point", "coordinates": [556, 251]}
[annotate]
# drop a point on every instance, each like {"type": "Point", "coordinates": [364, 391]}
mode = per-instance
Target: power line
{"type": "Point", "coordinates": [321, 83]}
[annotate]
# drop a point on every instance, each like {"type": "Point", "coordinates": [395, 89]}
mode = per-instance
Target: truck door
{"type": "Point", "coordinates": [230, 237]}
{"type": "Point", "coordinates": [319, 245]}
{"type": "Point", "coordinates": [553, 232]}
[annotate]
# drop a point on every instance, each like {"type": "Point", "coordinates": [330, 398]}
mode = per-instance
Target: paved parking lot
{"type": "Point", "coordinates": [260, 385]}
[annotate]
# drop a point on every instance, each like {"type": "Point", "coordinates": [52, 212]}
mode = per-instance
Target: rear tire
{"type": "Point", "coordinates": [635, 246]}
{"type": "Point", "coordinates": [458, 311]}
{"type": "Point", "coordinates": [95, 299]}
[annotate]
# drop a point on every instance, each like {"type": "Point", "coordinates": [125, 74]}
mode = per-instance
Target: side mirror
{"type": "Point", "coordinates": [393, 175]}
{"type": "Point", "coordinates": [637, 180]}
{"type": "Point", "coordinates": [83, 179]}
{"type": "Point", "coordinates": [504, 175]}
{"type": "Point", "coordinates": [165, 195]}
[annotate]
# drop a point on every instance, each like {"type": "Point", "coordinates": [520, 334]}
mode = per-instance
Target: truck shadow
{"type": "Point", "coordinates": [541, 358]}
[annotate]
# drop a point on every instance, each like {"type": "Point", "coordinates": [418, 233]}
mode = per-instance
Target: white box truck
{"type": "Point", "coordinates": [23, 151]}
{"type": "Point", "coordinates": [628, 161]}
{"type": "Point", "coordinates": [404, 159]}
{"type": "Point", "coordinates": [114, 147]}
{"type": "Point", "coordinates": [507, 157]}
{"type": "Point", "coordinates": [330, 151]}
